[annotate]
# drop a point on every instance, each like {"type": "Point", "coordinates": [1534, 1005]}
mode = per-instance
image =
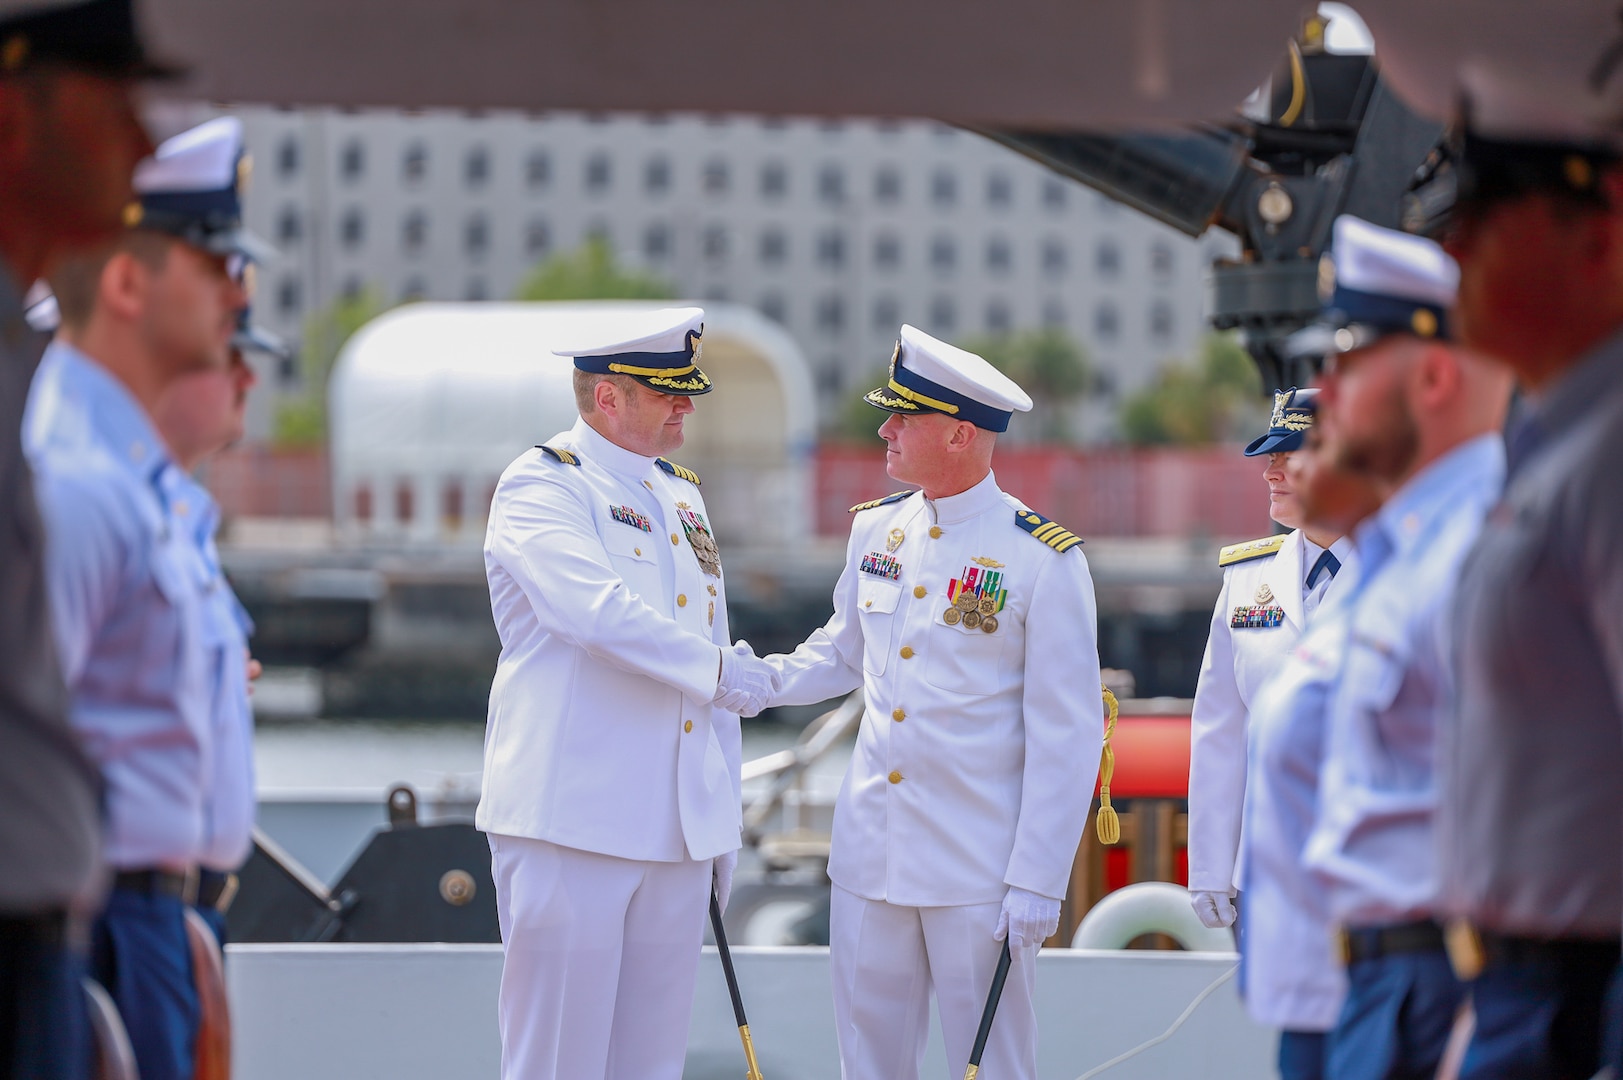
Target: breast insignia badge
{"type": "Point", "coordinates": [894, 540]}
{"type": "Point", "coordinates": [698, 533]}
{"type": "Point", "coordinates": [977, 596]}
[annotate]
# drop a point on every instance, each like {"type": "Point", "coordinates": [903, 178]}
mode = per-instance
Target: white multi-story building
{"type": "Point", "coordinates": [839, 230]}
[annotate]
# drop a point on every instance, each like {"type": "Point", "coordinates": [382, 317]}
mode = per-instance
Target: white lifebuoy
{"type": "Point", "coordinates": [1149, 907]}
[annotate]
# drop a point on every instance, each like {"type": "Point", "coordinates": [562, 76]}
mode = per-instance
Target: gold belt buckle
{"type": "Point", "coordinates": [1342, 945]}
{"type": "Point", "coordinates": [191, 879]}
{"type": "Point", "coordinates": [1465, 952]}
{"type": "Point", "coordinates": [228, 893]}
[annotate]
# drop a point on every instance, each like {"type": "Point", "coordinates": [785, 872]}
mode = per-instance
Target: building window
{"type": "Point", "coordinates": [1054, 194]}
{"type": "Point", "coordinates": [831, 314]}
{"type": "Point", "coordinates": [476, 236]}
{"type": "Point", "coordinates": [716, 177]}
{"type": "Point", "coordinates": [831, 250]}
{"type": "Point", "coordinates": [656, 243]}
{"type": "Point", "coordinates": [774, 247]}
{"type": "Point", "coordinates": [887, 315]}
{"type": "Point", "coordinates": [352, 161]}
{"type": "Point", "coordinates": [943, 188]}
{"type": "Point", "coordinates": [943, 254]}
{"type": "Point", "coordinates": [656, 176]}
{"type": "Point", "coordinates": [999, 191]}
{"type": "Point", "coordinates": [476, 169]}
{"type": "Point", "coordinates": [830, 379]}
{"type": "Point", "coordinates": [1161, 321]}
{"type": "Point", "coordinates": [289, 226]}
{"type": "Point", "coordinates": [477, 290]}
{"type": "Point", "coordinates": [1107, 259]}
{"type": "Point", "coordinates": [715, 244]}
{"type": "Point", "coordinates": [943, 316]}
{"type": "Point", "coordinates": [1054, 314]}
{"type": "Point", "coordinates": [414, 232]}
{"type": "Point", "coordinates": [537, 239]}
{"type": "Point", "coordinates": [887, 185]}
{"type": "Point", "coordinates": [1106, 322]}
{"type": "Point", "coordinates": [414, 164]}
{"type": "Point", "coordinates": [887, 252]}
{"type": "Point", "coordinates": [287, 158]}
{"type": "Point", "coordinates": [352, 228]}
{"type": "Point", "coordinates": [998, 320]}
{"type": "Point", "coordinates": [289, 298]}
{"type": "Point", "coordinates": [1055, 257]}
{"type": "Point", "coordinates": [774, 308]}
{"type": "Point", "coordinates": [598, 174]}
{"type": "Point", "coordinates": [538, 170]}
{"type": "Point", "coordinates": [1161, 259]}
{"type": "Point", "coordinates": [774, 180]}
{"type": "Point", "coordinates": [998, 256]}
{"type": "Point", "coordinates": [831, 185]}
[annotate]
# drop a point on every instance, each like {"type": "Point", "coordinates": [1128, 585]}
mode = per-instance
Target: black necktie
{"type": "Point", "coordinates": [1327, 562]}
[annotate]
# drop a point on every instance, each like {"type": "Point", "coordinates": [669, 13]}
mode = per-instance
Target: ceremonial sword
{"type": "Point", "coordinates": [732, 987]}
{"type": "Point", "coordinates": [999, 977]}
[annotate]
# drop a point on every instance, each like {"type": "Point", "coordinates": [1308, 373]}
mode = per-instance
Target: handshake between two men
{"type": "Point", "coordinates": [748, 684]}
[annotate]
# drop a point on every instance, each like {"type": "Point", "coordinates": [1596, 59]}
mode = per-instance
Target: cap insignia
{"type": "Point", "coordinates": [1579, 173]}
{"type": "Point", "coordinates": [1281, 399]}
{"type": "Point", "coordinates": [895, 355]}
{"type": "Point", "coordinates": [696, 338]}
{"type": "Point", "coordinates": [133, 213]}
{"type": "Point", "coordinates": [1424, 323]}
{"type": "Point", "coordinates": [14, 52]}
{"type": "Point", "coordinates": [245, 173]}
{"type": "Point", "coordinates": [1327, 278]}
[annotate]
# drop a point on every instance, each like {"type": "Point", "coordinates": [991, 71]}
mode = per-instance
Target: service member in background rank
{"type": "Point", "coordinates": [71, 138]}
{"type": "Point", "coordinates": [611, 784]}
{"type": "Point", "coordinates": [129, 613]}
{"type": "Point", "coordinates": [200, 415]}
{"type": "Point", "coordinates": [1531, 828]}
{"type": "Point", "coordinates": [1290, 978]}
{"type": "Point", "coordinates": [969, 622]}
{"type": "Point", "coordinates": [1420, 417]}
{"type": "Point", "coordinates": [1270, 588]}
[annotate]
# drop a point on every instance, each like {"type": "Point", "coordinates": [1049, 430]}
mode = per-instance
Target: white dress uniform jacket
{"type": "Point", "coordinates": [601, 735]}
{"type": "Point", "coordinates": [978, 752]}
{"type": "Point", "coordinates": [1263, 574]}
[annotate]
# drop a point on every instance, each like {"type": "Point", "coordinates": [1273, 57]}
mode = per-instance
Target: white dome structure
{"type": "Point", "coordinates": [429, 403]}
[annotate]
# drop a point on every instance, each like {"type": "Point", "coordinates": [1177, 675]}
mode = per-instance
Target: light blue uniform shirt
{"type": "Point", "coordinates": [228, 807]}
{"type": "Point", "coordinates": [1293, 980]}
{"type": "Point", "coordinates": [1373, 842]}
{"type": "Point", "coordinates": [127, 612]}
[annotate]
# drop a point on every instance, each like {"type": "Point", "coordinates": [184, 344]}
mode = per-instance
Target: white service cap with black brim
{"type": "Point", "coordinates": [1374, 282]}
{"type": "Point", "coordinates": [98, 36]}
{"type": "Point", "coordinates": [660, 348]}
{"type": "Point", "coordinates": [929, 375]}
{"type": "Point", "coordinates": [192, 187]}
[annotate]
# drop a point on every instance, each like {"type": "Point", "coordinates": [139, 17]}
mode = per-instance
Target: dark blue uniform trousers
{"type": "Point", "coordinates": [1395, 1024]}
{"type": "Point", "coordinates": [1540, 1018]}
{"type": "Point", "coordinates": [142, 956]}
{"type": "Point", "coordinates": [44, 1024]}
{"type": "Point", "coordinates": [1302, 1055]}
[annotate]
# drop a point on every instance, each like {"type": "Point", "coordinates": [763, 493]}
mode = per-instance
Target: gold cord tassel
{"type": "Point", "coordinates": [1108, 824]}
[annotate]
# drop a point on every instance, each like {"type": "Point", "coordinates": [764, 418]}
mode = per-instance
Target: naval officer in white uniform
{"type": "Point", "coordinates": [969, 622]}
{"type": "Point", "coordinates": [1270, 587]}
{"type": "Point", "coordinates": [611, 781]}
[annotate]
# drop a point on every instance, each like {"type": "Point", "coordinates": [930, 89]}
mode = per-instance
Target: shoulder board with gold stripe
{"type": "Point", "coordinates": [1251, 549]}
{"type": "Point", "coordinates": [678, 471]}
{"type": "Point", "coordinates": [896, 496]}
{"type": "Point", "coordinates": [568, 457]}
{"type": "Point", "coordinates": [1049, 532]}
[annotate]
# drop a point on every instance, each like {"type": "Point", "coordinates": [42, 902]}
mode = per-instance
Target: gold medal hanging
{"type": "Point", "coordinates": [972, 619]}
{"type": "Point", "coordinates": [952, 616]}
{"type": "Point", "coordinates": [989, 624]}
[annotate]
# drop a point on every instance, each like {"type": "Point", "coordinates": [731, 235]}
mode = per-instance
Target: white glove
{"type": "Point", "coordinates": [722, 871]}
{"type": "Point", "coordinates": [1215, 909]}
{"type": "Point", "coordinates": [747, 684]}
{"type": "Point", "coordinates": [1027, 919]}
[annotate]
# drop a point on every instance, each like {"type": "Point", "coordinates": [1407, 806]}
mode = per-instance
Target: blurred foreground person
{"type": "Point", "coordinates": [1421, 419]}
{"type": "Point", "coordinates": [69, 140]}
{"type": "Point", "coordinates": [1292, 980]}
{"type": "Point", "coordinates": [127, 604]}
{"type": "Point", "coordinates": [1270, 589]}
{"type": "Point", "coordinates": [199, 415]}
{"type": "Point", "coordinates": [1532, 823]}
{"type": "Point", "coordinates": [969, 622]}
{"type": "Point", "coordinates": [611, 791]}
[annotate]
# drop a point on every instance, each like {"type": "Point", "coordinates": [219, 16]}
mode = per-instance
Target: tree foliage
{"type": "Point", "coordinates": [590, 272]}
{"type": "Point", "coordinates": [1217, 398]}
{"type": "Point", "coordinates": [302, 420]}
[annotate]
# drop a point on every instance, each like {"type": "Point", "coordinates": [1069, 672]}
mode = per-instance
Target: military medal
{"type": "Point", "coordinates": [625, 515]}
{"type": "Point", "coordinates": [977, 596]}
{"type": "Point", "coordinates": [699, 538]}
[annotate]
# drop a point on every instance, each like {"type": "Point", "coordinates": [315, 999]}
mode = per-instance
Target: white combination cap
{"type": "Point", "coordinates": [660, 348]}
{"type": "Point", "coordinates": [929, 375]}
